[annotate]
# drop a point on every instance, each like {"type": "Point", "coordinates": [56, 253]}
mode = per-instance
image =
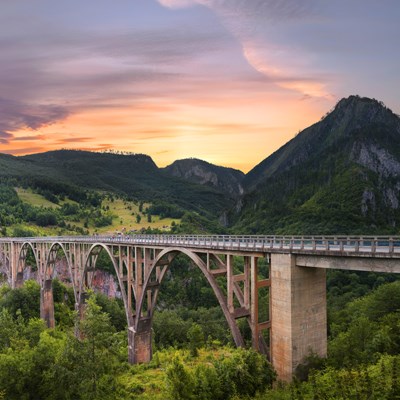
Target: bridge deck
{"type": "Point", "coordinates": [366, 246]}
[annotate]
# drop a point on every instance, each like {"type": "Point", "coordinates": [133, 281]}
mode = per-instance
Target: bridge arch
{"type": "Point", "coordinates": [143, 324]}
{"type": "Point", "coordinates": [51, 259]}
{"type": "Point", "coordinates": [90, 264]}
{"type": "Point", "coordinates": [52, 255]}
{"type": "Point", "coordinates": [5, 264]}
{"type": "Point", "coordinates": [21, 264]}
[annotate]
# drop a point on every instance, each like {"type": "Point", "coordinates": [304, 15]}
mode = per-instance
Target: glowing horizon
{"type": "Point", "coordinates": [220, 80]}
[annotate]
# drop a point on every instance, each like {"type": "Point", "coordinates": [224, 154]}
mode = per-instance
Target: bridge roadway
{"type": "Point", "coordinates": [363, 246]}
{"type": "Point", "coordinates": [294, 276]}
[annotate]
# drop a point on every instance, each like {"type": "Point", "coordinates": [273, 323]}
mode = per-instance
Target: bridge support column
{"type": "Point", "coordinates": [19, 281]}
{"type": "Point", "coordinates": [140, 343]}
{"type": "Point", "coordinates": [47, 304]}
{"type": "Point", "coordinates": [80, 308]}
{"type": "Point", "coordinates": [298, 314]}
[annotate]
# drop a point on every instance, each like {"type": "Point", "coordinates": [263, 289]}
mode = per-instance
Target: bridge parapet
{"type": "Point", "coordinates": [375, 246]}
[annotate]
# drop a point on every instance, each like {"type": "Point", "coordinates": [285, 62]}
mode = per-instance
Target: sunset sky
{"type": "Point", "coordinates": [227, 81]}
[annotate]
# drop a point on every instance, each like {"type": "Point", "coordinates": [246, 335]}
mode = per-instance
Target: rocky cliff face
{"type": "Point", "coordinates": [226, 179]}
{"type": "Point", "coordinates": [102, 281]}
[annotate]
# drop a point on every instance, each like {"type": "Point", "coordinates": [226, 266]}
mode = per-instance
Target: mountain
{"type": "Point", "coordinates": [228, 180]}
{"type": "Point", "coordinates": [340, 175]}
{"type": "Point", "coordinates": [134, 175]}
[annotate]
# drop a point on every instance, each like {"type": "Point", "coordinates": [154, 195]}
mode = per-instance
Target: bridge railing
{"type": "Point", "coordinates": [262, 243]}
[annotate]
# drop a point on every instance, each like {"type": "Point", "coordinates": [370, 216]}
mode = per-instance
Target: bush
{"type": "Point", "coordinates": [195, 336]}
{"type": "Point", "coordinates": [46, 218]}
{"type": "Point", "coordinates": [244, 373]}
{"type": "Point", "coordinates": [179, 381]}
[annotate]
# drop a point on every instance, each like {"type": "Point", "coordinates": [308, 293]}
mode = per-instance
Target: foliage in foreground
{"type": "Point", "coordinates": [376, 381]}
{"type": "Point", "coordinates": [243, 373]}
{"type": "Point", "coordinates": [40, 363]}
{"type": "Point", "coordinates": [37, 363]}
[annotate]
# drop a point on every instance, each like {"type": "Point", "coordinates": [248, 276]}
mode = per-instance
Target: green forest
{"type": "Point", "coordinates": [194, 356]}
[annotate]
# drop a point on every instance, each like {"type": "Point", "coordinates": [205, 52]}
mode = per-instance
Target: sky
{"type": "Point", "coordinates": [226, 81]}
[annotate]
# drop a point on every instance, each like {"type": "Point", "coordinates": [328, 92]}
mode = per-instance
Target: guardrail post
{"type": "Point", "coordinates": [373, 245]}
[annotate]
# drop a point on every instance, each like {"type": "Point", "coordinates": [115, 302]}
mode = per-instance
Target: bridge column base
{"type": "Point", "coordinates": [19, 281]}
{"type": "Point", "coordinates": [298, 314]}
{"type": "Point", "coordinates": [139, 346]}
{"type": "Point", "coordinates": [47, 304]}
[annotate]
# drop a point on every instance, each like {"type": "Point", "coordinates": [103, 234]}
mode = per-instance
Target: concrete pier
{"type": "Point", "coordinates": [47, 304]}
{"type": "Point", "coordinates": [298, 307]}
{"type": "Point", "coordinates": [140, 343]}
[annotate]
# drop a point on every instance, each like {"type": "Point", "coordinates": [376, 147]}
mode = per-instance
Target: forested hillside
{"type": "Point", "coordinates": [339, 176]}
{"type": "Point", "coordinates": [135, 176]}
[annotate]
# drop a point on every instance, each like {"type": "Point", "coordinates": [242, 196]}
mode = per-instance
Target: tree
{"type": "Point", "coordinates": [170, 329]}
{"type": "Point", "coordinates": [138, 218]}
{"type": "Point", "coordinates": [207, 385]}
{"type": "Point", "coordinates": [97, 331]}
{"type": "Point", "coordinates": [25, 299]}
{"type": "Point", "coordinates": [245, 373]}
{"type": "Point", "coordinates": [8, 329]}
{"type": "Point", "coordinates": [195, 336]}
{"type": "Point", "coordinates": [179, 381]}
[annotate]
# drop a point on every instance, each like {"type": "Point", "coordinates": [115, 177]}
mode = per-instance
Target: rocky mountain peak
{"type": "Point", "coordinates": [347, 163]}
{"type": "Point", "coordinates": [355, 112]}
{"type": "Point", "coordinates": [201, 172]}
{"type": "Point", "coordinates": [354, 118]}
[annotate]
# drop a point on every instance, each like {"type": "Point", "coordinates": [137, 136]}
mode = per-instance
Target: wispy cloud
{"type": "Point", "coordinates": [29, 138]}
{"type": "Point", "coordinates": [141, 76]}
{"type": "Point", "coordinates": [97, 71]}
{"type": "Point", "coordinates": [74, 140]}
{"type": "Point", "coordinates": [247, 21]}
{"type": "Point", "coordinates": [15, 115]}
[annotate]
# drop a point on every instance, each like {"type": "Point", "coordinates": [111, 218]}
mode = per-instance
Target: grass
{"type": "Point", "coordinates": [125, 218]}
{"type": "Point", "coordinates": [38, 230]}
{"type": "Point", "coordinates": [34, 199]}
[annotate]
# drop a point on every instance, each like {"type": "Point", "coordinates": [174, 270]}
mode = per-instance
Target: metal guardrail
{"type": "Point", "coordinates": [384, 245]}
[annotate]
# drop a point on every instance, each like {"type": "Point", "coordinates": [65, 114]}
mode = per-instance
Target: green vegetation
{"type": "Point", "coordinates": [35, 199]}
{"type": "Point", "coordinates": [134, 176]}
{"type": "Point", "coordinates": [38, 363]}
{"type": "Point", "coordinates": [24, 212]}
{"type": "Point", "coordinates": [364, 353]}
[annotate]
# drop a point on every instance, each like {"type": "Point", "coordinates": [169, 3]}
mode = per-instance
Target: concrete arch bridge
{"type": "Point", "coordinates": [292, 270]}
